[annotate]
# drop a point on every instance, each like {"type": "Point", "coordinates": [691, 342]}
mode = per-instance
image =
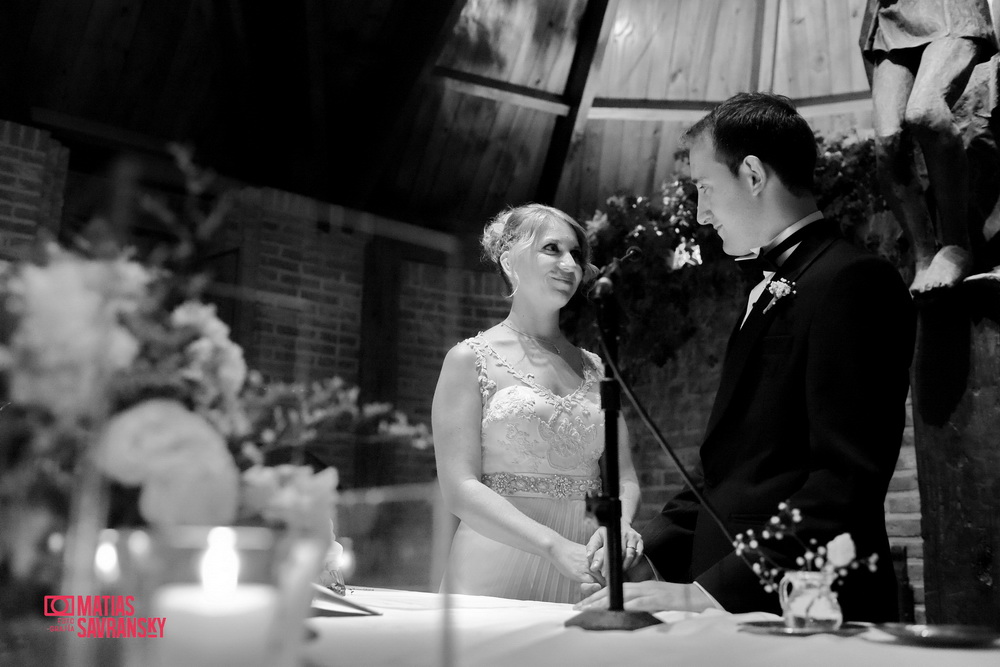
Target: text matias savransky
{"type": "Point", "coordinates": [107, 616]}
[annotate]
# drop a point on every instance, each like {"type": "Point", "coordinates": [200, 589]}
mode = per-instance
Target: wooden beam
{"type": "Point", "coordinates": [658, 110]}
{"type": "Point", "coordinates": [501, 91]}
{"type": "Point", "coordinates": [581, 86]}
{"type": "Point", "coordinates": [392, 137]}
{"type": "Point", "coordinates": [829, 105]}
{"type": "Point", "coordinates": [689, 111]}
{"type": "Point", "coordinates": [765, 41]}
{"type": "Point", "coordinates": [606, 108]}
{"type": "Point", "coordinates": [108, 135]}
{"type": "Point", "coordinates": [364, 222]}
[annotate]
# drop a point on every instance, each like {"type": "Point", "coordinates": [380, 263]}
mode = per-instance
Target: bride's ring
{"type": "Point", "coordinates": [630, 547]}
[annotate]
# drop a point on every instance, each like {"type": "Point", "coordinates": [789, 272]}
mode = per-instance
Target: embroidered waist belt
{"type": "Point", "coordinates": [556, 486]}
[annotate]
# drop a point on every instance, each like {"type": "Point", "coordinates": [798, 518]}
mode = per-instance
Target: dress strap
{"type": "Point", "coordinates": [595, 362]}
{"type": "Point", "coordinates": [486, 386]}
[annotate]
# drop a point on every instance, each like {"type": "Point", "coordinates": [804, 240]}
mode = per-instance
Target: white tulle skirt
{"type": "Point", "coordinates": [481, 566]}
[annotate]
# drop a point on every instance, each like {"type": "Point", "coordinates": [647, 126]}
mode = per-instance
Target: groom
{"type": "Point", "coordinates": [810, 406]}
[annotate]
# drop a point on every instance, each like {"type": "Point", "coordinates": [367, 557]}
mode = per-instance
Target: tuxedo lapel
{"type": "Point", "coordinates": [744, 338]}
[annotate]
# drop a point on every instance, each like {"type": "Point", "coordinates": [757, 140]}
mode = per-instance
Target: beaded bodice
{"type": "Point", "coordinates": [528, 429]}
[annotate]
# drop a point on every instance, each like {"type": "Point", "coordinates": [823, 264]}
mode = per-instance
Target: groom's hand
{"type": "Point", "coordinates": [652, 596]}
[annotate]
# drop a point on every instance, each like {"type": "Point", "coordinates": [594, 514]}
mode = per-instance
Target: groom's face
{"type": "Point", "coordinates": [724, 199]}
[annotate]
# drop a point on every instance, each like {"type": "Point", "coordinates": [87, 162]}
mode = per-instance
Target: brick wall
{"type": "Point", "coordinates": [33, 170]}
{"type": "Point", "coordinates": [679, 398]}
{"type": "Point", "coordinates": [438, 308]}
{"type": "Point", "coordinates": [303, 284]}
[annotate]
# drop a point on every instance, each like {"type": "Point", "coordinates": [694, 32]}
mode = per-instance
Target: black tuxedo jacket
{"type": "Point", "coordinates": [810, 409]}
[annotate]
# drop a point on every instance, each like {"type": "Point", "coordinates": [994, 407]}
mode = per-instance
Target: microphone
{"type": "Point", "coordinates": [603, 285]}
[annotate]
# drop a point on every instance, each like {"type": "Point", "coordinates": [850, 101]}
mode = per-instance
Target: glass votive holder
{"type": "Point", "coordinates": [231, 595]}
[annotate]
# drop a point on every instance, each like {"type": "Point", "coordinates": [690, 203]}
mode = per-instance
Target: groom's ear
{"type": "Point", "coordinates": [753, 172]}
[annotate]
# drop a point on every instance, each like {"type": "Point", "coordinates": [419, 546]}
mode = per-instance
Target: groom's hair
{"type": "Point", "coordinates": [764, 125]}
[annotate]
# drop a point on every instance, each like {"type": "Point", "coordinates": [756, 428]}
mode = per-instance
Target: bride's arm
{"type": "Point", "coordinates": [456, 414]}
{"type": "Point", "coordinates": [629, 481]}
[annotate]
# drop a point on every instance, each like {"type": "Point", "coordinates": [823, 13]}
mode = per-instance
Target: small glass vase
{"type": "Point", "coordinates": [197, 596]}
{"type": "Point", "coordinates": [256, 618]}
{"type": "Point", "coordinates": [807, 602]}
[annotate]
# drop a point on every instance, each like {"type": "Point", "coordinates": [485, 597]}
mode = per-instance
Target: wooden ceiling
{"type": "Point", "coordinates": [437, 112]}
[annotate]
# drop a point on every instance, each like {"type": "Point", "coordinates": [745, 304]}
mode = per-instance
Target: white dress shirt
{"type": "Point", "coordinates": [759, 288]}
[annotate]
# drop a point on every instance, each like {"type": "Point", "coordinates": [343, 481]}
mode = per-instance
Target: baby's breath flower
{"type": "Point", "coordinates": [833, 559]}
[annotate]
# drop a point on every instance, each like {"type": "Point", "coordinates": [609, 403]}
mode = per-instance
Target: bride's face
{"type": "Point", "coordinates": [550, 267]}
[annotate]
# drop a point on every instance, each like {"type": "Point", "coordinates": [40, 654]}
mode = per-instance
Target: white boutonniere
{"type": "Point", "coordinates": [779, 289]}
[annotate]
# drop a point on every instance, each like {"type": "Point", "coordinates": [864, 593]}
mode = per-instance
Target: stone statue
{"type": "Point", "coordinates": [921, 54]}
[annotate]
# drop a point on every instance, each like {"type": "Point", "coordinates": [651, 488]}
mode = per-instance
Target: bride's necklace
{"type": "Point", "coordinates": [538, 338]}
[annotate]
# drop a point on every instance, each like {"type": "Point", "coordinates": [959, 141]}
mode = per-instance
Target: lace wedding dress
{"type": "Point", "coordinates": [540, 452]}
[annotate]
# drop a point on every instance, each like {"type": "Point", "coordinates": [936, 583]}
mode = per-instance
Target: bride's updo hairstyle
{"type": "Point", "coordinates": [514, 229]}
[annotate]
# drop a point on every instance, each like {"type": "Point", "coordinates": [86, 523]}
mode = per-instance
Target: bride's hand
{"type": "Point", "coordinates": [631, 549]}
{"type": "Point", "coordinates": [571, 559]}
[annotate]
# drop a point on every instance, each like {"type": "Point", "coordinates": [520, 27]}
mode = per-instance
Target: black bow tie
{"type": "Point", "coordinates": [754, 268]}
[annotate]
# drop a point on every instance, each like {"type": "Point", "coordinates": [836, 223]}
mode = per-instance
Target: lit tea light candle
{"type": "Point", "coordinates": [220, 621]}
{"type": "Point", "coordinates": [106, 565]}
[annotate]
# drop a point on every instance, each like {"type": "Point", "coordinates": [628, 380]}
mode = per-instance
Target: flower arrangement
{"type": "Point", "coordinates": [657, 287]}
{"type": "Point", "coordinates": [832, 561]}
{"type": "Point", "coordinates": [116, 365]}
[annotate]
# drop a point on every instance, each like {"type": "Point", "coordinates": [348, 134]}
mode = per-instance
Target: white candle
{"type": "Point", "coordinates": [204, 630]}
{"type": "Point", "coordinates": [217, 622]}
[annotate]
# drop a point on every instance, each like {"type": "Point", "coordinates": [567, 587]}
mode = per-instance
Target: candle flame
{"type": "Point", "coordinates": [220, 566]}
{"type": "Point", "coordinates": [106, 558]}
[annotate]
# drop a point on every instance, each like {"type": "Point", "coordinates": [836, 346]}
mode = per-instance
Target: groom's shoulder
{"type": "Point", "coordinates": [845, 257]}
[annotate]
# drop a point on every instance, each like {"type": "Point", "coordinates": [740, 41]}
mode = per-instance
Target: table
{"type": "Point", "coordinates": [488, 632]}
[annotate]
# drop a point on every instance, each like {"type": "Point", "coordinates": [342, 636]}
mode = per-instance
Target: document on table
{"type": "Point", "coordinates": [327, 603]}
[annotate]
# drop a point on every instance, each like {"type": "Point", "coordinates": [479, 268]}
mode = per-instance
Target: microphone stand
{"type": "Point", "coordinates": [607, 506]}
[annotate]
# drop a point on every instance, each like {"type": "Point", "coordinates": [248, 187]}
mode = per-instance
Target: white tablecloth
{"type": "Point", "coordinates": [510, 633]}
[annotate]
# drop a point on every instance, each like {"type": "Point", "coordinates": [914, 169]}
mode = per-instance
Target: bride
{"type": "Point", "coordinates": [518, 427]}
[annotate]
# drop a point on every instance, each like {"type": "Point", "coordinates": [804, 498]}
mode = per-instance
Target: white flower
{"type": "Point", "coordinates": [370, 410]}
{"type": "Point", "coordinates": [291, 495]}
{"type": "Point", "coordinates": [840, 550]}
{"type": "Point", "coordinates": [183, 465]}
{"type": "Point", "coordinates": [686, 253]}
{"type": "Point", "coordinates": [213, 364]}
{"type": "Point", "coordinates": [70, 340]}
{"type": "Point", "coordinates": [201, 317]}
{"type": "Point", "coordinates": [779, 289]}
